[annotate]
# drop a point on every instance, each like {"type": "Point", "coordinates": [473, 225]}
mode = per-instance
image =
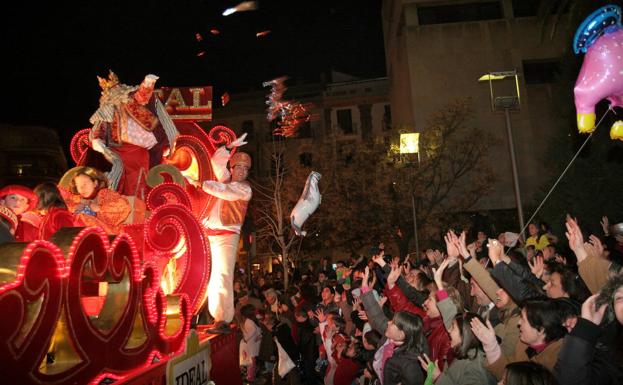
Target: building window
{"type": "Point", "coordinates": [525, 8]}
{"type": "Point", "coordinates": [305, 159]}
{"type": "Point", "coordinates": [305, 130]}
{"type": "Point", "coordinates": [541, 71]}
{"type": "Point", "coordinates": [458, 13]}
{"type": "Point", "coordinates": [387, 118]}
{"type": "Point", "coordinates": [530, 8]}
{"type": "Point", "coordinates": [345, 121]}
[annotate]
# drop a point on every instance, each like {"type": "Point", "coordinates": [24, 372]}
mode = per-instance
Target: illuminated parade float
{"type": "Point", "coordinates": [90, 307]}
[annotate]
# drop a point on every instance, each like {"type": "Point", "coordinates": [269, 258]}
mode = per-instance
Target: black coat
{"type": "Point", "coordinates": [403, 366]}
{"type": "Point", "coordinates": [591, 355]}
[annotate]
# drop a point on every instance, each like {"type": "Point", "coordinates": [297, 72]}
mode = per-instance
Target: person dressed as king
{"type": "Point", "coordinates": [231, 193]}
{"type": "Point", "coordinates": [132, 130]}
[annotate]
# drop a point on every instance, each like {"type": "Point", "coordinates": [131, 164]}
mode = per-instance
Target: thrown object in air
{"type": "Point", "coordinates": [307, 203]}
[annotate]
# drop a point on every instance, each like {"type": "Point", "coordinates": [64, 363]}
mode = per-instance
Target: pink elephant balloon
{"type": "Point", "coordinates": [601, 75]}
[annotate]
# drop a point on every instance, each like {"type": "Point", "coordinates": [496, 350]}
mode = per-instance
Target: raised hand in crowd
{"type": "Point", "coordinates": [472, 249]}
{"type": "Point", "coordinates": [362, 315]}
{"type": "Point", "coordinates": [590, 312]}
{"type": "Point", "coordinates": [320, 316]}
{"type": "Point", "coordinates": [496, 251]}
{"type": "Point", "coordinates": [394, 274]}
{"type": "Point", "coordinates": [425, 362]}
{"type": "Point", "coordinates": [594, 248]}
{"type": "Point", "coordinates": [378, 258]}
{"type": "Point", "coordinates": [537, 266]}
{"type": "Point", "coordinates": [605, 225]}
{"type": "Point", "coordinates": [438, 273]}
{"type": "Point", "coordinates": [451, 245]}
{"type": "Point", "coordinates": [382, 300]}
{"type": "Point", "coordinates": [576, 239]}
{"type": "Point", "coordinates": [486, 335]}
{"type": "Point", "coordinates": [357, 304]}
{"type": "Point", "coordinates": [459, 243]}
{"type": "Point", "coordinates": [406, 265]}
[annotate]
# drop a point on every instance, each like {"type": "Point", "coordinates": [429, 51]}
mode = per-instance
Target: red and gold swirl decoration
{"type": "Point", "coordinates": [87, 306]}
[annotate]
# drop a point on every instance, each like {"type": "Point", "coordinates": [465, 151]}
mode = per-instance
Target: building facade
{"type": "Point", "coordinates": [436, 50]}
{"type": "Point", "coordinates": [30, 155]}
{"type": "Point", "coordinates": [347, 109]}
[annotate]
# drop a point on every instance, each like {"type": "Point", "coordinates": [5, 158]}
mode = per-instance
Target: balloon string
{"type": "Point", "coordinates": [563, 173]}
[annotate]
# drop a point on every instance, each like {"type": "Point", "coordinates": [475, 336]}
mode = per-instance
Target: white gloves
{"type": "Point", "coordinates": [99, 146]}
{"type": "Point", "coordinates": [150, 80]}
{"type": "Point", "coordinates": [238, 142]}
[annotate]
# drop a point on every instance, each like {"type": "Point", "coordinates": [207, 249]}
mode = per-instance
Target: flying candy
{"type": "Point", "coordinates": [215, 31]}
{"type": "Point", "coordinates": [263, 33]}
{"type": "Point", "coordinates": [224, 99]}
{"type": "Point", "coordinates": [242, 7]}
{"type": "Point", "coordinates": [198, 37]}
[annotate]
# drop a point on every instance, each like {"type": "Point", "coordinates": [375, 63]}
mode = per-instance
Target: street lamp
{"type": "Point", "coordinates": [410, 144]}
{"type": "Point", "coordinates": [508, 82]}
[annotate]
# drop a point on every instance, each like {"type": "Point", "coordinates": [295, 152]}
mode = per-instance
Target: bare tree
{"type": "Point", "coordinates": [273, 202]}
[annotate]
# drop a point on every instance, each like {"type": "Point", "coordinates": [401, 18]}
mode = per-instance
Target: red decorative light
{"type": "Point", "coordinates": [134, 324]}
{"type": "Point", "coordinates": [79, 145]}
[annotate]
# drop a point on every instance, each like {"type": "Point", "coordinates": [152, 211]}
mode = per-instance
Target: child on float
{"type": "Point", "coordinates": [22, 201]}
{"type": "Point", "coordinates": [53, 211]}
{"type": "Point", "coordinates": [95, 204]}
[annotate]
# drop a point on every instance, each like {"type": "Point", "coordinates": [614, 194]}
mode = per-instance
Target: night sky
{"type": "Point", "coordinates": [52, 51]}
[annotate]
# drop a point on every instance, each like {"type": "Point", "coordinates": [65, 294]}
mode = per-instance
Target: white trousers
{"type": "Point", "coordinates": [224, 250]}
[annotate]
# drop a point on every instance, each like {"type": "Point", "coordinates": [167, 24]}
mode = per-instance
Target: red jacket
{"type": "Point", "coordinates": [54, 220]}
{"type": "Point", "coordinates": [436, 335]}
{"type": "Point", "coordinates": [346, 371]}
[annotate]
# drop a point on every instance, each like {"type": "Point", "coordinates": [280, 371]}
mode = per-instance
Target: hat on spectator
{"type": "Point", "coordinates": [15, 189]}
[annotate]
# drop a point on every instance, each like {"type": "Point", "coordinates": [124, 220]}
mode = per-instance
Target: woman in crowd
{"type": "Point", "coordinates": [468, 365]}
{"type": "Point", "coordinates": [564, 282]}
{"type": "Point", "coordinates": [434, 330]}
{"type": "Point", "coordinates": [537, 238]}
{"type": "Point", "coordinates": [541, 333]}
{"type": "Point", "coordinates": [395, 361]}
{"type": "Point", "coordinates": [593, 351]}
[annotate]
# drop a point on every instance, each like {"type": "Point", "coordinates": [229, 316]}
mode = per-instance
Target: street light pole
{"type": "Point", "coordinates": [410, 144]}
{"type": "Point", "coordinates": [417, 244]}
{"type": "Point", "coordinates": [507, 102]}
{"type": "Point", "coordinates": [511, 150]}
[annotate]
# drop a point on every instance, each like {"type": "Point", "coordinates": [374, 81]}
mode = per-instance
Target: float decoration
{"type": "Point", "coordinates": [86, 306]}
{"type": "Point", "coordinates": [600, 37]}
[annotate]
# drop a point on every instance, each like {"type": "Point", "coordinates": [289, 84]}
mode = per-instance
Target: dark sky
{"type": "Point", "coordinates": [52, 51]}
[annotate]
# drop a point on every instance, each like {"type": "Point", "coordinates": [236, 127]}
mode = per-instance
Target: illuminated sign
{"type": "Point", "coordinates": [187, 103]}
{"type": "Point", "coordinates": [193, 367]}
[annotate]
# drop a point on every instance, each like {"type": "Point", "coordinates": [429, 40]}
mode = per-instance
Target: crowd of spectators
{"type": "Point", "coordinates": [503, 310]}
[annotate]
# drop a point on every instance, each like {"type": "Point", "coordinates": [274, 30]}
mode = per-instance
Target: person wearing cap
{"type": "Point", "coordinates": [22, 201]}
{"type": "Point", "coordinates": [231, 194]}
{"type": "Point", "coordinates": [131, 129]}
